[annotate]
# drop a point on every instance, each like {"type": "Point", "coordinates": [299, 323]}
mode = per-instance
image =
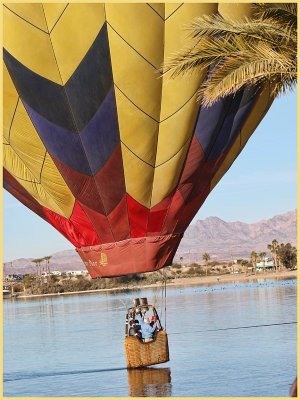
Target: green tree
{"type": "Point", "coordinates": [206, 258]}
{"type": "Point", "coordinates": [260, 51]}
{"type": "Point", "coordinates": [254, 258]}
{"type": "Point", "coordinates": [287, 255]}
{"type": "Point", "coordinates": [28, 281]}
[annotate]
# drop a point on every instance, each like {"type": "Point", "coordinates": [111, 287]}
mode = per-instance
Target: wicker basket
{"type": "Point", "coordinates": [140, 354]}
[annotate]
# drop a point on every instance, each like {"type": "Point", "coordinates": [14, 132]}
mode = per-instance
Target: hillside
{"type": "Point", "coordinates": [222, 240]}
{"type": "Point", "coordinates": [232, 240]}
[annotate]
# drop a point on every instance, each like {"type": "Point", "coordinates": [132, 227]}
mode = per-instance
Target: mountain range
{"type": "Point", "coordinates": [226, 241]}
{"type": "Point", "coordinates": [223, 241]}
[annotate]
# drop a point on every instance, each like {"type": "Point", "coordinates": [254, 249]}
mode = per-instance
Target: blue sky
{"type": "Point", "coordinates": [260, 184]}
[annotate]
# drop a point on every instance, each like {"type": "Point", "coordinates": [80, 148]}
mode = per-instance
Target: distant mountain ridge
{"type": "Point", "coordinates": [222, 240]}
{"type": "Point", "coordinates": [231, 240]}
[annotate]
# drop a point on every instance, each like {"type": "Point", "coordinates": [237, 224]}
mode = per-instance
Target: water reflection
{"type": "Point", "coordinates": [150, 382]}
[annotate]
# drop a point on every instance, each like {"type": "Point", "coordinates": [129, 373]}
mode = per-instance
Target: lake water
{"type": "Point", "coordinates": [73, 346]}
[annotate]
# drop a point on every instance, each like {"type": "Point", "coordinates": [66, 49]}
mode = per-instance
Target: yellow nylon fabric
{"type": "Point", "coordinates": [170, 8]}
{"type": "Point", "coordinates": [178, 103]}
{"type": "Point", "coordinates": [159, 8]}
{"type": "Point", "coordinates": [10, 102]}
{"type": "Point", "coordinates": [166, 109]}
{"type": "Point", "coordinates": [53, 12]}
{"type": "Point", "coordinates": [156, 115]}
{"type": "Point", "coordinates": [235, 11]}
{"type": "Point", "coordinates": [32, 13]}
{"type": "Point", "coordinates": [29, 45]}
{"type": "Point", "coordinates": [74, 34]}
{"type": "Point", "coordinates": [133, 124]}
{"type": "Point", "coordinates": [138, 90]}
{"type": "Point", "coordinates": [26, 158]}
{"type": "Point", "coordinates": [167, 175]}
{"type": "Point", "coordinates": [141, 177]}
{"type": "Point", "coordinates": [60, 204]}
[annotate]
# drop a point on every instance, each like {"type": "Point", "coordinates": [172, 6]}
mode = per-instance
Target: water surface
{"type": "Point", "coordinates": [73, 346]}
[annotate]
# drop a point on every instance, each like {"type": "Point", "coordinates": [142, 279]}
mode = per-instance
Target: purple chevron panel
{"type": "Point", "coordinates": [88, 151]}
{"type": "Point", "coordinates": [218, 125]}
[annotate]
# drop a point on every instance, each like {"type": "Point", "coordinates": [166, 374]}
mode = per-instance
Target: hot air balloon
{"type": "Point", "coordinates": [96, 142]}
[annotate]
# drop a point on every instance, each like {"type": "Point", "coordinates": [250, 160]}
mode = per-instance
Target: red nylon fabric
{"type": "Point", "coordinates": [157, 216]}
{"type": "Point", "coordinates": [129, 256]}
{"type": "Point", "coordinates": [138, 218]}
{"type": "Point", "coordinates": [119, 221]}
{"type": "Point", "coordinates": [20, 193]}
{"type": "Point", "coordinates": [78, 229]}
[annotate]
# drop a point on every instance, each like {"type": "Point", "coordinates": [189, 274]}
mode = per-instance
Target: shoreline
{"type": "Point", "coordinates": [197, 280]}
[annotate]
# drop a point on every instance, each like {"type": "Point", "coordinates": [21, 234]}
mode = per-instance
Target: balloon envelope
{"type": "Point", "coordinates": [117, 158]}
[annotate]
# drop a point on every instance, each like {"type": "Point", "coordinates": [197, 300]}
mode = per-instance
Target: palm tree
{"type": "Point", "coordinates": [262, 256]}
{"type": "Point", "coordinates": [273, 247]}
{"type": "Point", "coordinates": [254, 257]}
{"type": "Point", "coordinates": [47, 259]}
{"type": "Point", "coordinates": [261, 51]}
{"type": "Point", "coordinates": [37, 262]}
{"type": "Point", "coordinates": [206, 258]}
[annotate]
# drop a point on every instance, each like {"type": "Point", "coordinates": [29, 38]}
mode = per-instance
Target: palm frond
{"type": "Point", "coordinates": [211, 50]}
{"type": "Point", "coordinates": [284, 11]}
{"type": "Point", "coordinates": [207, 52]}
{"type": "Point", "coordinates": [231, 76]}
{"type": "Point", "coordinates": [215, 26]}
{"type": "Point", "coordinates": [252, 52]}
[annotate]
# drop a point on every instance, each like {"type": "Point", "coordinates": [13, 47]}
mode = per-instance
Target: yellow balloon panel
{"type": "Point", "coordinates": [159, 8]}
{"type": "Point", "coordinates": [137, 130]}
{"type": "Point", "coordinates": [175, 131]}
{"type": "Point", "coordinates": [171, 8]}
{"type": "Point", "coordinates": [30, 12]}
{"type": "Point", "coordinates": [74, 34]}
{"type": "Point", "coordinates": [131, 21]}
{"type": "Point", "coordinates": [236, 11]}
{"type": "Point", "coordinates": [10, 101]}
{"type": "Point", "coordinates": [20, 172]}
{"type": "Point", "coordinates": [30, 46]}
{"type": "Point", "coordinates": [26, 142]}
{"type": "Point", "coordinates": [136, 78]}
{"type": "Point", "coordinates": [167, 175]}
{"type": "Point", "coordinates": [176, 92]}
{"type": "Point", "coordinates": [56, 187]}
{"type": "Point", "coordinates": [53, 12]}
{"type": "Point", "coordinates": [138, 177]}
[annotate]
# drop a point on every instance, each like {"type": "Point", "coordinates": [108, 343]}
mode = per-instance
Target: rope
{"type": "Point", "coordinates": [165, 301]}
{"type": "Point", "coordinates": [162, 297]}
{"type": "Point", "coordinates": [236, 328]}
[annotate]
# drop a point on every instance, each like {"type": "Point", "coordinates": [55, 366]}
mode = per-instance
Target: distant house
{"type": "Point", "coordinates": [14, 277]}
{"type": "Point", "coordinates": [268, 263]}
{"type": "Point", "coordinates": [74, 273]}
